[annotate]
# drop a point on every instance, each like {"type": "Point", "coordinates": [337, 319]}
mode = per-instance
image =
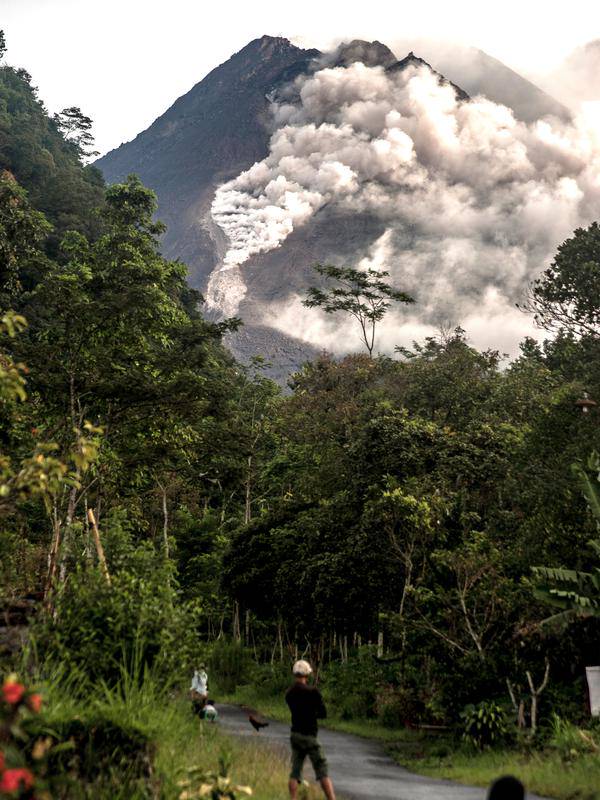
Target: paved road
{"type": "Point", "coordinates": [360, 769]}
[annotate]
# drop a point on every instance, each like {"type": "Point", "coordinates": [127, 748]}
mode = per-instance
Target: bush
{"type": "Point", "coordinates": [135, 621]}
{"type": "Point", "coordinates": [230, 665]}
{"type": "Point", "coordinates": [396, 706]}
{"type": "Point", "coordinates": [107, 756]}
{"type": "Point", "coordinates": [24, 749]}
{"type": "Point", "coordinates": [351, 688]}
{"type": "Point", "coordinates": [272, 679]}
{"type": "Point", "coordinates": [212, 785]}
{"type": "Point", "coordinates": [485, 724]}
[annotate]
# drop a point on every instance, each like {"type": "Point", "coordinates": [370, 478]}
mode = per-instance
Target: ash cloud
{"type": "Point", "coordinates": [577, 80]}
{"type": "Point", "coordinates": [474, 201]}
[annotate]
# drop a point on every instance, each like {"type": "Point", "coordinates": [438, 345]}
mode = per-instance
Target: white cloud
{"type": "Point", "coordinates": [474, 201]}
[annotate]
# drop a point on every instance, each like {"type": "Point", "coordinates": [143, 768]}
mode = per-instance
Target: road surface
{"type": "Point", "coordinates": [359, 768]}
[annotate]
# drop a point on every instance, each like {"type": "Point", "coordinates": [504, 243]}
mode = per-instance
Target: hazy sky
{"type": "Point", "coordinates": [125, 61]}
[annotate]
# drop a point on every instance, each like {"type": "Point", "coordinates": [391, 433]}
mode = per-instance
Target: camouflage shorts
{"type": "Point", "coordinates": [303, 746]}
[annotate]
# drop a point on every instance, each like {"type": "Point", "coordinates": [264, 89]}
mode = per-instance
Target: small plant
{"type": "Point", "coordinates": [396, 706]}
{"type": "Point", "coordinates": [216, 786]}
{"type": "Point", "coordinates": [571, 742]}
{"type": "Point", "coordinates": [484, 724]}
{"type": "Point", "coordinates": [23, 755]}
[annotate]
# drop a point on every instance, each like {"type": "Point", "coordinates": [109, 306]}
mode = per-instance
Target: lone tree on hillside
{"type": "Point", "coordinates": [76, 127]}
{"type": "Point", "coordinates": [363, 294]}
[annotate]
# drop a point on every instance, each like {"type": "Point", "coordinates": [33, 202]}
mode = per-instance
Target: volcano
{"type": "Point", "coordinates": [218, 130]}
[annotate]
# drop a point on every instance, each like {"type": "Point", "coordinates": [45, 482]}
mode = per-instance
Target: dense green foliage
{"type": "Point", "coordinates": [43, 161]}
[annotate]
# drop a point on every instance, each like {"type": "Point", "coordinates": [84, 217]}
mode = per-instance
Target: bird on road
{"type": "Point", "coordinates": [256, 723]}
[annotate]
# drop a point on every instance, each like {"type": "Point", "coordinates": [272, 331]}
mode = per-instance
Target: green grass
{"type": "Point", "coordinates": [180, 739]}
{"type": "Point", "coordinates": [544, 773]}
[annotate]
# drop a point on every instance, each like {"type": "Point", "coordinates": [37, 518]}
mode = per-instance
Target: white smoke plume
{"type": "Point", "coordinates": [577, 79]}
{"type": "Point", "coordinates": [474, 201]}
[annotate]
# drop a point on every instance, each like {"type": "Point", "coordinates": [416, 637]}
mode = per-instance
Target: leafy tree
{"type": "Point", "coordinates": [110, 341]}
{"type": "Point", "coordinates": [22, 230]}
{"type": "Point", "coordinates": [76, 127]}
{"type": "Point", "coordinates": [575, 591]}
{"type": "Point", "coordinates": [44, 163]}
{"type": "Point", "coordinates": [2, 45]}
{"type": "Point", "coordinates": [363, 295]}
{"type": "Point", "coordinates": [567, 296]}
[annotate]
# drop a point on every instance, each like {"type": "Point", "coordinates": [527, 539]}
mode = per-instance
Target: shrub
{"type": "Point", "coordinates": [272, 679]}
{"type": "Point", "coordinates": [136, 620]}
{"type": "Point", "coordinates": [106, 756]}
{"type": "Point", "coordinates": [230, 665]}
{"type": "Point", "coordinates": [396, 706]}
{"type": "Point", "coordinates": [484, 724]}
{"type": "Point", "coordinates": [212, 785]}
{"type": "Point", "coordinates": [351, 688]}
{"type": "Point", "coordinates": [24, 746]}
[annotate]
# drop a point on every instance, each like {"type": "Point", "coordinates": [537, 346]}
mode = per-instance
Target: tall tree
{"type": "Point", "coordinates": [76, 127]}
{"type": "Point", "coordinates": [362, 294]}
{"type": "Point", "coordinates": [111, 342]}
{"type": "Point", "coordinates": [567, 295]}
{"type": "Point", "coordinates": [575, 591]}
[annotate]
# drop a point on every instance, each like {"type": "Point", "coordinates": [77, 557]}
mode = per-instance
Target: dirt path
{"type": "Point", "coordinates": [359, 767]}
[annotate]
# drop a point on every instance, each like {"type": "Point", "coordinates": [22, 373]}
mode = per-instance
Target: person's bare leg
{"type": "Point", "coordinates": [293, 787]}
{"type": "Point", "coordinates": [327, 787]}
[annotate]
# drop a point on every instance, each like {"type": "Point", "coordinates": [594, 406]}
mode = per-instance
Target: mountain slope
{"type": "Point", "coordinates": [209, 135]}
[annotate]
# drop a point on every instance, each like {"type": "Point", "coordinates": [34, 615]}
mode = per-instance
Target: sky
{"type": "Point", "coordinates": [124, 62]}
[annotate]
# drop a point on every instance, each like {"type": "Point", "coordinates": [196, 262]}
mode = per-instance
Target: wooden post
{"type": "Point", "coordinates": [380, 644]}
{"type": "Point", "coordinates": [98, 543]}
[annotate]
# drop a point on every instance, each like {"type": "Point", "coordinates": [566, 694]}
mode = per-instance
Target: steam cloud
{"type": "Point", "coordinates": [474, 202]}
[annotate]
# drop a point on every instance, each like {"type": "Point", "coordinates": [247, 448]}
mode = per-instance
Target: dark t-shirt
{"type": "Point", "coordinates": [306, 704]}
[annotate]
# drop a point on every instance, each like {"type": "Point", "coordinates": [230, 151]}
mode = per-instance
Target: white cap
{"type": "Point", "coordinates": [302, 668]}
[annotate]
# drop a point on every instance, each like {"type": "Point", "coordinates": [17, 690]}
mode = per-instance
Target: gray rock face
{"type": "Point", "coordinates": [371, 54]}
{"type": "Point", "coordinates": [209, 135]}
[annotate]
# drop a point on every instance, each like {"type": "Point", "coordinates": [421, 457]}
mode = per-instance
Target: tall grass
{"type": "Point", "coordinates": [139, 704]}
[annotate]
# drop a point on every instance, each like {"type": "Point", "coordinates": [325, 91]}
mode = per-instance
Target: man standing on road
{"type": "Point", "coordinates": [306, 704]}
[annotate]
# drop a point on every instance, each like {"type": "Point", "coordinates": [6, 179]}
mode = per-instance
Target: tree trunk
{"type": "Point", "coordinates": [236, 622]}
{"type": "Point", "coordinates": [98, 543]}
{"type": "Point", "coordinates": [52, 556]}
{"type": "Point", "coordinates": [165, 510]}
{"type": "Point", "coordinates": [248, 507]}
{"type": "Point", "coordinates": [535, 694]}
